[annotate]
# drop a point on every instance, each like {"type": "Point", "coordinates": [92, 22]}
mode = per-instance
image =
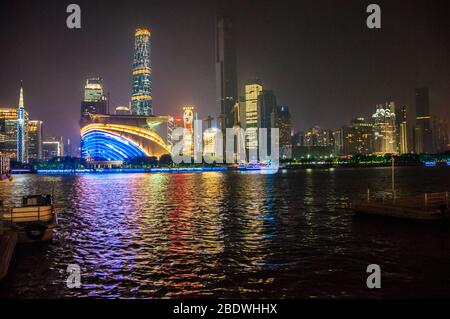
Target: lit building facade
{"type": "Point", "coordinates": [8, 131]}
{"type": "Point", "coordinates": [94, 100]}
{"type": "Point", "coordinates": [35, 140]}
{"type": "Point", "coordinates": [384, 132]}
{"type": "Point", "coordinates": [141, 97]}
{"type": "Point", "coordinates": [357, 138]}
{"type": "Point", "coordinates": [52, 147]}
{"type": "Point", "coordinates": [252, 116]}
{"type": "Point", "coordinates": [121, 137]}
{"type": "Point", "coordinates": [188, 125]}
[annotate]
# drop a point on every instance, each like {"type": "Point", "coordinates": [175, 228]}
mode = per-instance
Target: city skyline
{"type": "Point", "coordinates": [341, 106]}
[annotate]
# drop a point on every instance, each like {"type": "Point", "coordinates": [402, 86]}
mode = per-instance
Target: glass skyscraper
{"type": "Point", "coordinates": [226, 74]}
{"type": "Point", "coordinates": [141, 98]}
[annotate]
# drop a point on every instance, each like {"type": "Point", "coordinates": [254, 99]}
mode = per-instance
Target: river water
{"type": "Point", "coordinates": [230, 234]}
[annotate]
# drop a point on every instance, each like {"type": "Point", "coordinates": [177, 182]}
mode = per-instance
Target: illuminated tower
{"type": "Point", "coordinates": [141, 97]}
{"type": "Point", "coordinates": [22, 149]}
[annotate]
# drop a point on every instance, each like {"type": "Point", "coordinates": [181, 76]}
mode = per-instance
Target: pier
{"type": "Point", "coordinates": [426, 207]}
{"type": "Point", "coordinates": [8, 240]}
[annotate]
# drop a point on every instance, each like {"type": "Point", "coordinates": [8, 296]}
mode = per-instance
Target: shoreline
{"type": "Point", "coordinates": [211, 169]}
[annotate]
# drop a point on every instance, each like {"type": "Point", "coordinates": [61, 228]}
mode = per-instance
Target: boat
{"type": "Point", "coordinates": [34, 221]}
{"type": "Point", "coordinates": [429, 207]}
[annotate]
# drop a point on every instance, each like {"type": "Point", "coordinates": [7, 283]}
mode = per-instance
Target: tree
{"type": "Point", "coordinates": [165, 160]}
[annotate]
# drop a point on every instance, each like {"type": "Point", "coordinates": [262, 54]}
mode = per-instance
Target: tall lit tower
{"type": "Point", "coordinates": [22, 149]}
{"type": "Point", "coordinates": [141, 97]}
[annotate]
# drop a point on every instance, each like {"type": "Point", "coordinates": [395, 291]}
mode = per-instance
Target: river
{"type": "Point", "coordinates": [230, 235]}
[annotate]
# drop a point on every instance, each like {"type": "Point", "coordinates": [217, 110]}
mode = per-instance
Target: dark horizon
{"type": "Point", "coordinates": [319, 57]}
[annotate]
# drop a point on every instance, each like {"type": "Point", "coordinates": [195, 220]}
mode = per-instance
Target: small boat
{"type": "Point", "coordinates": [34, 220]}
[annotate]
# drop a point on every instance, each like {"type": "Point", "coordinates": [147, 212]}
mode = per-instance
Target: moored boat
{"type": "Point", "coordinates": [34, 221]}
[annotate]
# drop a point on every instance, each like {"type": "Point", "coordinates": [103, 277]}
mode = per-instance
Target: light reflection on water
{"type": "Point", "coordinates": [231, 234]}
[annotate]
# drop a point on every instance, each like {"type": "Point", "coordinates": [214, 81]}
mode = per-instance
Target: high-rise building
{"type": "Point", "coordinates": [401, 122]}
{"type": "Point", "coordinates": [440, 131]}
{"type": "Point", "coordinates": [22, 133]}
{"type": "Point", "coordinates": [35, 140]}
{"type": "Point", "coordinates": [226, 74]}
{"type": "Point", "coordinates": [384, 129]}
{"type": "Point", "coordinates": [252, 119]}
{"type": "Point", "coordinates": [423, 136]}
{"type": "Point", "coordinates": [356, 138]}
{"type": "Point", "coordinates": [8, 131]}
{"type": "Point", "coordinates": [141, 97]}
{"type": "Point", "coordinates": [52, 147]}
{"type": "Point", "coordinates": [283, 123]}
{"type": "Point", "coordinates": [94, 101]}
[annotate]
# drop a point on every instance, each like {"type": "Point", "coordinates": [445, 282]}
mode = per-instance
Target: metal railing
{"type": "Point", "coordinates": [436, 199]}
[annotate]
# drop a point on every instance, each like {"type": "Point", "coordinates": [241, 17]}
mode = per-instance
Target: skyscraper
{"type": "Point", "coordinates": [384, 129]}
{"type": "Point", "coordinates": [423, 137]}
{"type": "Point", "coordinates": [283, 123]}
{"type": "Point", "coordinates": [94, 101]}
{"type": "Point", "coordinates": [22, 136]}
{"type": "Point", "coordinates": [252, 91]}
{"type": "Point", "coordinates": [35, 140]}
{"type": "Point", "coordinates": [8, 131]}
{"type": "Point", "coordinates": [226, 74]}
{"type": "Point", "coordinates": [440, 132]}
{"type": "Point", "coordinates": [402, 129]}
{"type": "Point", "coordinates": [141, 98]}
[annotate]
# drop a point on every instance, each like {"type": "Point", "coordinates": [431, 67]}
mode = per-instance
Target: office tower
{"type": "Point", "coordinates": [283, 123]}
{"type": "Point", "coordinates": [252, 91]}
{"type": "Point", "coordinates": [35, 140]}
{"type": "Point", "coordinates": [141, 94]}
{"type": "Point", "coordinates": [423, 137]}
{"type": "Point", "coordinates": [52, 147]}
{"type": "Point", "coordinates": [402, 129]}
{"type": "Point", "coordinates": [440, 132]}
{"type": "Point", "coordinates": [94, 101]}
{"type": "Point", "coordinates": [22, 136]}
{"type": "Point", "coordinates": [226, 74]}
{"type": "Point", "coordinates": [357, 138]}
{"type": "Point", "coordinates": [267, 106]}
{"type": "Point", "coordinates": [8, 132]}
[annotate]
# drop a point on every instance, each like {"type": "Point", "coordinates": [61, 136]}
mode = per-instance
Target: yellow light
{"type": "Point", "coordinates": [140, 32]}
{"type": "Point", "coordinates": [141, 97]}
{"type": "Point", "coordinates": [145, 71]}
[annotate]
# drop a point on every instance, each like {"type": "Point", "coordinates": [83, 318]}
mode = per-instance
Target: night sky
{"type": "Point", "coordinates": [318, 56]}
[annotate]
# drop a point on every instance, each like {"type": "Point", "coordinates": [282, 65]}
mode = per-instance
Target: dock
{"type": "Point", "coordinates": [8, 240]}
{"type": "Point", "coordinates": [426, 207]}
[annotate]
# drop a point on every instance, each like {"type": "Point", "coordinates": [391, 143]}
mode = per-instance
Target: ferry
{"type": "Point", "coordinates": [256, 166]}
{"type": "Point", "coordinates": [34, 221]}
